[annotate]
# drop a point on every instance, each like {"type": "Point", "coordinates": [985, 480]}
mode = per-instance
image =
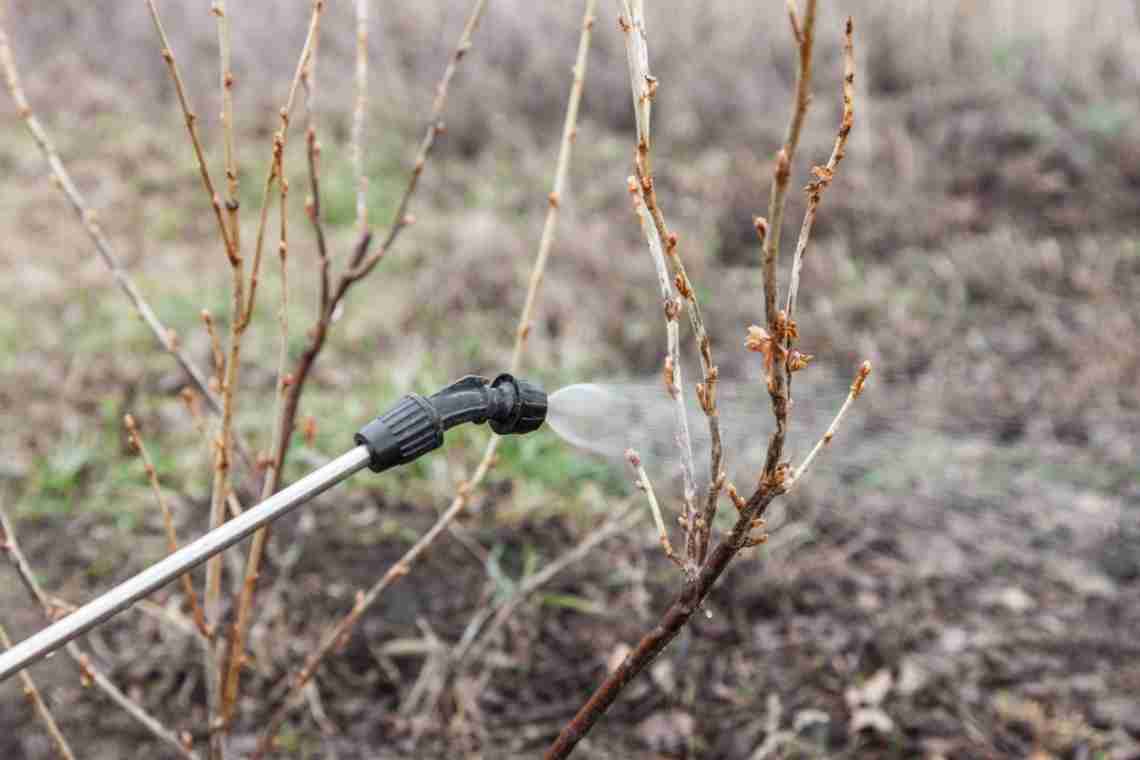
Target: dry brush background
{"type": "Point", "coordinates": [961, 580]}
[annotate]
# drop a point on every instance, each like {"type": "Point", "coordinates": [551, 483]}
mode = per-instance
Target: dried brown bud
{"type": "Point", "coordinates": [758, 340]}
{"type": "Point", "coordinates": [683, 287]}
{"type": "Point", "coordinates": [669, 376]}
{"type": "Point", "coordinates": [762, 228]}
{"type": "Point", "coordinates": [671, 241]}
{"type": "Point", "coordinates": [798, 360]}
{"type": "Point", "coordinates": [309, 429]}
{"type": "Point", "coordinates": [552, 199]}
{"type": "Point", "coordinates": [860, 379]}
{"type": "Point", "coordinates": [737, 500]}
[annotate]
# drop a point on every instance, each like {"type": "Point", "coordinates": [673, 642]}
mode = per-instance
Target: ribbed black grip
{"type": "Point", "coordinates": [404, 433]}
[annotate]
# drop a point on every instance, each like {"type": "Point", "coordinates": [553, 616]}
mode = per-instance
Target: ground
{"type": "Point", "coordinates": [958, 579]}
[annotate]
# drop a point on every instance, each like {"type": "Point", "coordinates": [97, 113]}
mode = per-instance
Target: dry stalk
{"type": "Point", "coordinates": [39, 707]}
{"type": "Point", "coordinates": [134, 437]}
{"type": "Point", "coordinates": [856, 389]}
{"type": "Point", "coordinates": [642, 482]}
{"type": "Point", "coordinates": [89, 673]}
{"type": "Point", "coordinates": [402, 567]}
{"type": "Point", "coordinates": [360, 108]}
{"type": "Point", "coordinates": [226, 74]}
{"type": "Point", "coordinates": [823, 175]}
{"type": "Point", "coordinates": [250, 577]}
{"type": "Point", "coordinates": [777, 478]}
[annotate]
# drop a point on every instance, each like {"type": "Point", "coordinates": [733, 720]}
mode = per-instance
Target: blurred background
{"type": "Point", "coordinates": [960, 576]}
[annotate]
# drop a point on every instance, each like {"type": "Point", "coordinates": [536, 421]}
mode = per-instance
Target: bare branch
{"type": "Point", "coordinates": [32, 694]}
{"type": "Point", "coordinates": [134, 437]}
{"type": "Point", "coordinates": [360, 108]}
{"type": "Point", "coordinates": [856, 389]}
{"type": "Point", "coordinates": [360, 266]}
{"type": "Point", "coordinates": [641, 480]}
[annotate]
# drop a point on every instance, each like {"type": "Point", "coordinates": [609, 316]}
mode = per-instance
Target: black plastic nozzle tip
{"type": "Point", "coordinates": [527, 410]}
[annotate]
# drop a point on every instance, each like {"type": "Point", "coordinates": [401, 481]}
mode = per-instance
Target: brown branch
{"type": "Point", "coordinates": [771, 229]}
{"type": "Point", "coordinates": [402, 567]}
{"type": "Point", "coordinates": [39, 707]}
{"type": "Point", "coordinates": [134, 437]}
{"type": "Point", "coordinates": [89, 673]}
{"type": "Point", "coordinates": [671, 623]}
{"type": "Point", "coordinates": [251, 575]}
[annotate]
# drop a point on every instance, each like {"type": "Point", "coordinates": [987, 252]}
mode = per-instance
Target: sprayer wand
{"type": "Point", "coordinates": [407, 431]}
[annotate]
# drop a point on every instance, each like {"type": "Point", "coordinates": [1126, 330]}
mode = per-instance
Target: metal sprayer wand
{"type": "Point", "coordinates": [410, 429]}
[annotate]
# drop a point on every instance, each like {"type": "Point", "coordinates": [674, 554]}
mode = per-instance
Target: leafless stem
{"type": "Point", "coordinates": [402, 567]}
{"type": "Point", "coordinates": [672, 373]}
{"type": "Point", "coordinates": [641, 480]}
{"type": "Point", "coordinates": [229, 242]}
{"type": "Point", "coordinates": [261, 537]}
{"type": "Point", "coordinates": [554, 199]}
{"type": "Point", "coordinates": [805, 37]}
{"type": "Point", "coordinates": [280, 139]}
{"type": "Point", "coordinates": [856, 389]}
{"type": "Point", "coordinates": [187, 580]}
{"type": "Point", "coordinates": [644, 86]}
{"type": "Point", "coordinates": [771, 229]}
{"type": "Point", "coordinates": [823, 175]}
{"type": "Point", "coordinates": [90, 674]}
{"type": "Point", "coordinates": [360, 109]}
{"type": "Point", "coordinates": [226, 75]}
{"type": "Point", "coordinates": [361, 264]}
{"type": "Point", "coordinates": [32, 694]}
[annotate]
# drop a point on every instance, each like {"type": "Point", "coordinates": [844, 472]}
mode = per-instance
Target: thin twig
{"type": "Point", "coordinates": [644, 87]}
{"type": "Point", "coordinates": [134, 437]}
{"type": "Point", "coordinates": [261, 536]}
{"type": "Point", "coordinates": [39, 706]}
{"type": "Point", "coordinates": [402, 567]}
{"type": "Point", "coordinates": [229, 242]}
{"type": "Point", "coordinates": [226, 74]}
{"type": "Point", "coordinates": [641, 480]}
{"type": "Point", "coordinates": [672, 374]}
{"type": "Point", "coordinates": [856, 389]}
{"type": "Point", "coordinates": [360, 265]}
{"type": "Point", "coordinates": [90, 674]}
{"type": "Point", "coordinates": [771, 229]}
{"type": "Point", "coordinates": [360, 108]}
{"type": "Point", "coordinates": [823, 175]}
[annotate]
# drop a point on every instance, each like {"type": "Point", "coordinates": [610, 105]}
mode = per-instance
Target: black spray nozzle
{"type": "Point", "coordinates": [415, 425]}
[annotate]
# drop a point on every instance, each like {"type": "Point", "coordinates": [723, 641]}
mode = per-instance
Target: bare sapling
{"type": "Point", "coordinates": [776, 343]}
